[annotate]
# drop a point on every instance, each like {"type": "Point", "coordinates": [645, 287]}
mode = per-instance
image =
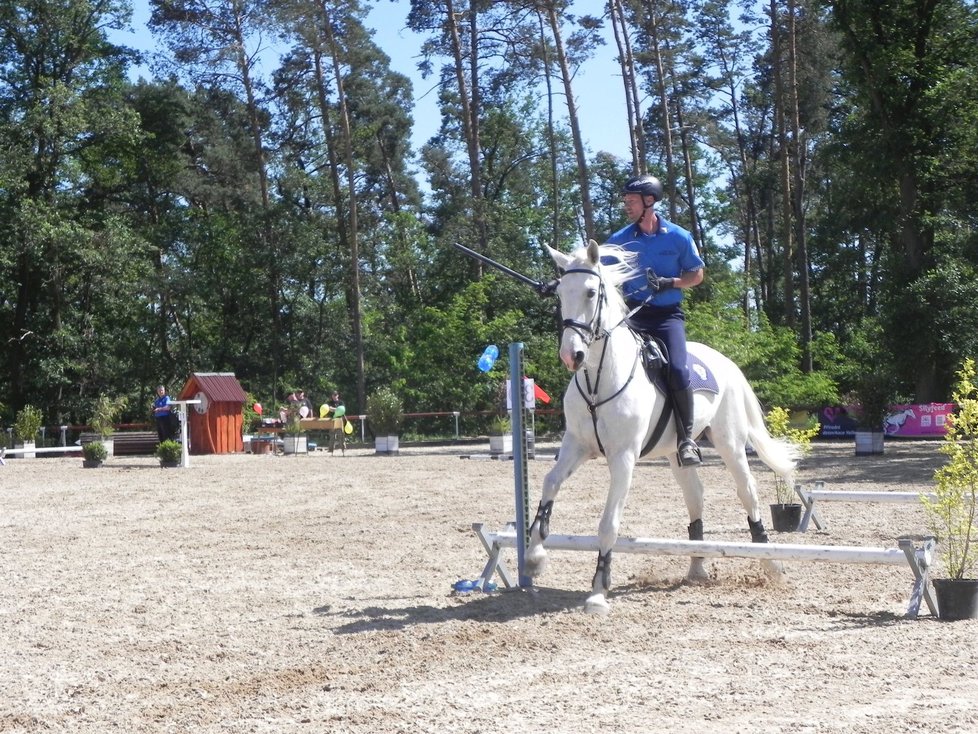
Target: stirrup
{"type": "Point", "coordinates": [689, 453]}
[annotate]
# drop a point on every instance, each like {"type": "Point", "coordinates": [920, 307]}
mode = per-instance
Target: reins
{"type": "Point", "coordinates": [590, 333]}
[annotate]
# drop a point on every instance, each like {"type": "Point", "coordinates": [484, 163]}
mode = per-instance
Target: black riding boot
{"type": "Point", "coordinates": [689, 452]}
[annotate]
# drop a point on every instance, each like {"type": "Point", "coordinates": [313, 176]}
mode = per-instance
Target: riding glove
{"type": "Point", "coordinates": [548, 289]}
{"type": "Point", "coordinates": [657, 284]}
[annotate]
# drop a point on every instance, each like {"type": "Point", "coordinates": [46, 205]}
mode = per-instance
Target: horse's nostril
{"type": "Point", "coordinates": [578, 358]}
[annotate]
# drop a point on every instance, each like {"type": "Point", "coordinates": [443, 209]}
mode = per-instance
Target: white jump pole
{"type": "Point", "coordinates": [919, 559]}
{"type": "Point", "coordinates": [184, 431]}
{"type": "Point", "coordinates": [810, 496]}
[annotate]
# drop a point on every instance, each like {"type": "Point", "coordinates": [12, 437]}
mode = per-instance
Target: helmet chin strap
{"type": "Point", "coordinates": [645, 208]}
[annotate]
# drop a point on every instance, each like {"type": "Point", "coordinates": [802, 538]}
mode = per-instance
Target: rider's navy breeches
{"type": "Point", "coordinates": [668, 325]}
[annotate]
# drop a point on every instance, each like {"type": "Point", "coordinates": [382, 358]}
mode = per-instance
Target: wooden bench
{"type": "Point", "coordinates": [128, 443]}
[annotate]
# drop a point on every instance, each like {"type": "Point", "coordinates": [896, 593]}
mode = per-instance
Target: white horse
{"type": "Point", "coordinates": [611, 407]}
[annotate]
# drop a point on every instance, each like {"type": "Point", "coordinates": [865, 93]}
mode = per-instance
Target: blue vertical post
{"type": "Point", "coordinates": [519, 459]}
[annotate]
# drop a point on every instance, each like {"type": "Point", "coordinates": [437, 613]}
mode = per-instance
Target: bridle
{"type": "Point", "coordinates": [590, 333]}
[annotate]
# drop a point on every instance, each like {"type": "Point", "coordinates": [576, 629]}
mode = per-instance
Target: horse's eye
{"type": "Point", "coordinates": [592, 292]}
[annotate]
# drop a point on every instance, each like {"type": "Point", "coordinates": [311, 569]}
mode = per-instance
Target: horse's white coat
{"type": "Point", "coordinates": [731, 419]}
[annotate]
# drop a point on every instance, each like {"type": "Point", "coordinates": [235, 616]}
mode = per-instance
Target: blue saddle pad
{"type": "Point", "coordinates": [700, 376]}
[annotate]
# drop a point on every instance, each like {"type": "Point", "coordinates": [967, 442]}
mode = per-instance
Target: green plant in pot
{"type": "Point", "coordinates": [385, 414]}
{"type": "Point", "coordinates": [952, 515]}
{"type": "Point", "coordinates": [27, 423]}
{"type": "Point", "coordinates": [786, 511]}
{"type": "Point", "coordinates": [501, 435]}
{"type": "Point", "coordinates": [501, 425]}
{"type": "Point", "coordinates": [874, 395]}
{"type": "Point", "coordinates": [169, 453]}
{"type": "Point", "coordinates": [94, 454]}
{"type": "Point", "coordinates": [294, 441]}
{"type": "Point", "coordinates": [105, 414]}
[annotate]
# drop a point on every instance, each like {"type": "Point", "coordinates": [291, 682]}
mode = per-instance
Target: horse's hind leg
{"type": "Point", "coordinates": [693, 493]}
{"type": "Point", "coordinates": [569, 458]}
{"type": "Point", "coordinates": [737, 464]}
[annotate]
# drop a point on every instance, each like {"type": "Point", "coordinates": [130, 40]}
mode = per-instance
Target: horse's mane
{"type": "Point", "coordinates": [616, 265]}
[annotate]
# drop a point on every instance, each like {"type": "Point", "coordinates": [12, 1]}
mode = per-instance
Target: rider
{"type": "Point", "coordinates": [667, 261]}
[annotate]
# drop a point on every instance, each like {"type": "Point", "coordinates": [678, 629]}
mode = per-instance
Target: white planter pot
{"type": "Point", "coordinates": [501, 444]}
{"type": "Point", "coordinates": [869, 443]}
{"type": "Point", "coordinates": [28, 446]}
{"type": "Point", "coordinates": [294, 445]}
{"type": "Point", "coordinates": [386, 445]}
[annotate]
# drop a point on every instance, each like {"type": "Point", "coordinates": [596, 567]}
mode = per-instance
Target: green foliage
{"type": "Point", "coordinates": [169, 451]}
{"type": "Point", "coordinates": [105, 413]}
{"type": "Point", "coordinates": [953, 515]}
{"type": "Point", "coordinates": [500, 425]}
{"type": "Point", "coordinates": [28, 423]}
{"type": "Point", "coordinates": [385, 412]}
{"type": "Point", "coordinates": [95, 451]}
{"type": "Point", "coordinates": [779, 425]}
{"type": "Point", "coordinates": [250, 420]}
{"type": "Point", "coordinates": [768, 355]}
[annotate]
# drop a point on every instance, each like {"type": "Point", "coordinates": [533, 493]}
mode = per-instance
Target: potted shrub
{"type": "Point", "coordinates": [169, 452]}
{"type": "Point", "coordinates": [294, 440]}
{"type": "Point", "coordinates": [94, 453]}
{"type": "Point", "coordinates": [953, 514]}
{"type": "Point", "coordinates": [874, 397]}
{"type": "Point", "coordinates": [385, 413]}
{"type": "Point", "coordinates": [501, 435]}
{"type": "Point", "coordinates": [27, 423]}
{"type": "Point", "coordinates": [786, 511]}
{"type": "Point", "coordinates": [105, 414]}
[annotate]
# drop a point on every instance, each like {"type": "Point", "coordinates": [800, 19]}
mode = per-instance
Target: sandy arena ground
{"type": "Point", "coordinates": [314, 594]}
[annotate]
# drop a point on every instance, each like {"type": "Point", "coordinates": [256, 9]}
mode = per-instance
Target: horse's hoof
{"type": "Point", "coordinates": [774, 570]}
{"type": "Point", "coordinates": [596, 604]}
{"type": "Point", "coordinates": [534, 564]}
{"type": "Point", "coordinates": [697, 573]}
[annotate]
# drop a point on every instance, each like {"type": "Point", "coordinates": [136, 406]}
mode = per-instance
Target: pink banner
{"type": "Point", "coordinates": [919, 419]}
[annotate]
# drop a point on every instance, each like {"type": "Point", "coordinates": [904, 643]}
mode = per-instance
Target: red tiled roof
{"type": "Point", "coordinates": [220, 387]}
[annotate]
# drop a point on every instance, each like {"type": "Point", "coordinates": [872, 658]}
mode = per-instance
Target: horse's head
{"type": "Point", "coordinates": [588, 299]}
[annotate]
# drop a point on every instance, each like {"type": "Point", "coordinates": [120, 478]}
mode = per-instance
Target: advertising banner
{"type": "Point", "coordinates": [918, 419]}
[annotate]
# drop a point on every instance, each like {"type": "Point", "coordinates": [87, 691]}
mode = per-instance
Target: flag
{"type": "Point", "coordinates": [540, 395]}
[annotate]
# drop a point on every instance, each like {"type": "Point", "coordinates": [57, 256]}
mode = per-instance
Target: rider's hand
{"type": "Point", "coordinates": [657, 284]}
{"type": "Point", "coordinates": [548, 289]}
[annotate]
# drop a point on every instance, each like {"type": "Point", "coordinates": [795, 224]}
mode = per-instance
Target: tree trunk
{"type": "Point", "coordinates": [469, 100]}
{"type": "Point", "coordinates": [354, 285]}
{"type": "Point", "coordinates": [583, 177]}
{"type": "Point", "coordinates": [783, 154]}
{"type": "Point", "coordinates": [652, 28]}
{"type": "Point", "coordinates": [636, 130]}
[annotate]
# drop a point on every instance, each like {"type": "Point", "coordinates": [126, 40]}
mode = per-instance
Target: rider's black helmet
{"type": "Point", "coordinates": [644, 185]}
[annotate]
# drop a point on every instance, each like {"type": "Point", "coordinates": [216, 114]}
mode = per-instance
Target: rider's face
{"type": "Point", "coordinates": [634, 206]}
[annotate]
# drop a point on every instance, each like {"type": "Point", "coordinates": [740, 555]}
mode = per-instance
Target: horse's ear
{"type": "Point", "coordinates": [593, 252]}
{"type": "Point", "coordinates": [560, 259]}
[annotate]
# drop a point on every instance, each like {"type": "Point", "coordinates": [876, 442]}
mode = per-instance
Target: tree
{"type": "Point", "coordinates": [62, 120]}
{"type": "Point", "coordinates": [909, 69]}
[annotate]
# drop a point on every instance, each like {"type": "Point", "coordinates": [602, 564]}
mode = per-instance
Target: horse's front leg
{"type": "Point", "coordinates": [621, 468]}
{"type": "Point", "coordinates": [693, 494]}
{"type": "Point", "coordinates": [570, 457]}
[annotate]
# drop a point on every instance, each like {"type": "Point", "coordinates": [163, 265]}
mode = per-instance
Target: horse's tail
{"type": "Point", "coordinates": [780, 455]}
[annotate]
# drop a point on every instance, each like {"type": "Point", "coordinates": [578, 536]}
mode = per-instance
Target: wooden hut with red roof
{"type": "Point", "coordinates": [215, 424]}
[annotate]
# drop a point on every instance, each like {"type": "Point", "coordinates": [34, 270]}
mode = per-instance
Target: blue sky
{"type": "Point", "coordinates": [601, 108]}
